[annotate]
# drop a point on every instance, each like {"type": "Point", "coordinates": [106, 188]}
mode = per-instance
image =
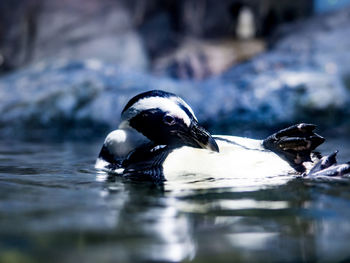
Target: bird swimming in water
{"type": "Point", "coordinates": [159, 138]}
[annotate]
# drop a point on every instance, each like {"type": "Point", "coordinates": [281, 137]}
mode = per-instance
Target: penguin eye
{"type": "Point", "coordinates": [169, 120]}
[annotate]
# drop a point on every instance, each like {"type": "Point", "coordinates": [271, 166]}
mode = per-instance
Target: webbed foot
{"type": "Point", "coordinates": [295, 144]}
{"type": "Point", "coordinates": [328, 167]}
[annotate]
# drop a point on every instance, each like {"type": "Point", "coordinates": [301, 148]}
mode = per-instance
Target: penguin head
{"type": "Point", "coordinates": [166, 119]}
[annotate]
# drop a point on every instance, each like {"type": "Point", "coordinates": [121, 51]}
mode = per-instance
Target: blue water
{"type": "Point", "coordinates": [54, 207]}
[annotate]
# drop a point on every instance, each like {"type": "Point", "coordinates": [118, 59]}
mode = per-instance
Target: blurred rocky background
{"type": "Point", "coordinates": [71, 65]}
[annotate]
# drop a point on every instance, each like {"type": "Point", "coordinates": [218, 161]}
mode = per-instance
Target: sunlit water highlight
{"type": "Point", "coordinates": [55, 207]}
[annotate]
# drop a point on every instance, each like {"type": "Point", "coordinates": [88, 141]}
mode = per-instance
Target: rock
{"type": "Point", "coordinates": [65, 94]}
{"type": "Point", "coordinates": [200, 59]}
{"type": "Point", "coordinates": [302, 78]}
{"type": "Point", "coordinates": [75, 30]}
{"type": "Point", "coordinates": [127, 32]}
{"type": "Point", "coordinates": [89, 30]}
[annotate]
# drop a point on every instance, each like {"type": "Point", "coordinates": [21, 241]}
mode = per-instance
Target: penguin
{"type": "Point", "coordinates": [160, 139]}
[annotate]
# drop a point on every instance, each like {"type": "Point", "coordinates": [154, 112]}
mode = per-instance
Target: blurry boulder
{"type": "Point", "coordinates": [79, 29]}
{"type": "Point", "coordinates": [200, 59]}
{"type": "Point", "coordinates": [129, 32]}
{"type": "Point", "coordinates": [65, 94]}
{"type": "Point", "coordinates": [89, 29]}
{"type": "Point", "coordinates": [304, 77]}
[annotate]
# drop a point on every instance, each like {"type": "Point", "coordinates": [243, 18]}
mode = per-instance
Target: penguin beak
{"type": "Point", "coordinates": [199, 137]}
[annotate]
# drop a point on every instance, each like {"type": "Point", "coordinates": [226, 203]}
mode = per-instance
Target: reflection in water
{"type": "Point", "coordinates": [55, 206]}
{"type": "Point", "coordinates": [157, 218]}
{"type": "Point", "coordinates": [252, 240]}
{"type": "Point", "coordinates": [239, 183]}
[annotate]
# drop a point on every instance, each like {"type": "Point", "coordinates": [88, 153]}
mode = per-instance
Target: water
{"type": "Point", "coordinates": [54, 207]}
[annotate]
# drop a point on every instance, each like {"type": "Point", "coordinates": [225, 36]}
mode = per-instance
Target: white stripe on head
{"type": "Point", "coordinates": [181, 101]}
{"type": "Point", "coordinates": [169, 105]}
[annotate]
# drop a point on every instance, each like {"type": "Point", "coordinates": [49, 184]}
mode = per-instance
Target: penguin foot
{"type": "Point", "coordinates": [295, 144]}
{"type": "Point", "coordinates": [328, 167]}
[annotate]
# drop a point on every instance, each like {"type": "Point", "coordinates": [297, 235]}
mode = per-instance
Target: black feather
{"type": "Point", "coordinates": [146, 163]}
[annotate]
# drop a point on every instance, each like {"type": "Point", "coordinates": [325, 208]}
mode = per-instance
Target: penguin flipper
{"type": "Point", "coordinates": [295, 144]}
{"type": "Point", "coordinates": [145, 163]}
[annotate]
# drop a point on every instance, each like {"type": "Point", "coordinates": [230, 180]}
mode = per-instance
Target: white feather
{"type": "Point", "coordinates": [122, 141]}
{"type": "Point", "coordinates": [164, 104]}
{"type": "Point", "coordinates": [233, 166]}
{"type": "Point", "coordinates": [181, 101]}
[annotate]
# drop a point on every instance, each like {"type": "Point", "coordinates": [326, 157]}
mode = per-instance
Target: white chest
{"type": "Point", "coordinates": [240, 162]}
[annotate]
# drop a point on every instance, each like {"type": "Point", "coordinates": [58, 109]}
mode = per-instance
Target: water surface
{"type": "Point", "coordinates": [54, 207]}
